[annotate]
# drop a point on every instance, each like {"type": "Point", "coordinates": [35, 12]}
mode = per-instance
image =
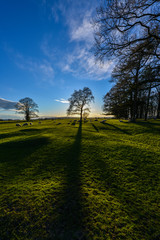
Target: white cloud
{"type": "Point", "coordinates": [7, 104]}
{"type": "Point", "coordinates": [81, 63]}
{"type": "Point", "coordinates": [62, 100]}
{"type": "Point", "coordinates": [77, 16]}
{"type": "Point", "coordinates": [83, 31]}
{"type": "Point", "coordinates": [77, 59]}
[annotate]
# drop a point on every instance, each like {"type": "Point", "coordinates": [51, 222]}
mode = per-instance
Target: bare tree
{"type": "Point", "coordinates": [79, 102]}
{"type": "Point", "coordinates": [135, 78]}
{"type": "Point", "coordinates": [122, 24]}
{"type": "Point", "coordinates": [130, 31]}
{"type": "Point", "coordinates": [27, 107]}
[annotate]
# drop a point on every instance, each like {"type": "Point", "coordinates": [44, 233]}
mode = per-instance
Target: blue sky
{"type": "Point", "coordinates": [45, 48]}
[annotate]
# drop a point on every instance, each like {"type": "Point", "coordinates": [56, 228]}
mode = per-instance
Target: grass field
{"type": "Point", "coordinates": [75, 182]}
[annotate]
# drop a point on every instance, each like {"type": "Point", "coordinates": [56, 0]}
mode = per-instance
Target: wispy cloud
{"type": "Point", "coordinates": [7, 104]}
{"type": "Point", "coordinates": [81, 63]}
{"type": "Point", "coordinates": [41, 69]}
{"type": "Point", "coordinates": [77, 16]}
{"type": "Point", "coordinates": [62, 100]}
{"type": "Point", "coordinates": [83, 31]}
{"type": "Point", "coordinates": [48, 48]}
{"type": "Point", "coordinates": [78, 59]}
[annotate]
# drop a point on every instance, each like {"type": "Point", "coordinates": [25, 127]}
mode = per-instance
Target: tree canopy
{"type": "Point", "coordinates": [124, 24]}
{"type": "Point", "coordinates": [136, 90]}
{"type": "Point", "coordinates": [129, 31]}
{"type": "Point", "coordinates": [79, 102]}
{"type": "Point", "coordinates": [27, 107]}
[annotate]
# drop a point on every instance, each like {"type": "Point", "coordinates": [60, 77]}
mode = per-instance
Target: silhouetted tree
{"type": "Point", "coordinates": [79, 102]}
{"type": "Point", "coordinates": [122, 24]}
{"type": "Point", "coordinates": [27, 107]}
{"type": "Point", "coordinates": [158, 101]}
{"type": "Point", "coordinates": [130, 31]}
{"type": "Point", "coordinates": [116, 101]}
{"type": "Point", "coordinates": [134, 80]}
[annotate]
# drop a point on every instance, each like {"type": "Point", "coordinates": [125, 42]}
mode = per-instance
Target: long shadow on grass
{"type": "Point", "coordinates": [69, 225]}
{"type": "Point", "coordinates": [62, 218]}
{"type": "Point", "coordinates": [95, 127]}
{"type": "Point", "coordinates": [133, 181]}
{"type": "Point", "coordinates": [152, 127]}
{"type": "Point", "coordinates": [71, 220]}
{"type": "Point", "coordinates": [14, 155]}
{"type": "Point", "coordinates": [147, 127]}
{"type": "Point", "coordinates": [21, 132]}
{"type": "Point", "coordinates": [145, 123]}
{"type": "Point", "coordinates": [9, 135]}
{"type": "Point", "coordinates": [116, 128]}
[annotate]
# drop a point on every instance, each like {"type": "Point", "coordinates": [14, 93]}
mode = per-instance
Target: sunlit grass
{"type": "Point", "coordinates": [95, 181]}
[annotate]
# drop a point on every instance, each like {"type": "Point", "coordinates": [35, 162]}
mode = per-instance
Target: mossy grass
{"type": "Point", "coordinates": [85, 181]}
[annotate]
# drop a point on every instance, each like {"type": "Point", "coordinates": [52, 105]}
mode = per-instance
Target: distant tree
{"type": "Point", "coordinates": [79, 102]}
{"type": "Point", "coordinates": [27, 107]}
{"type": "Point", "coordinates": [85, 115]}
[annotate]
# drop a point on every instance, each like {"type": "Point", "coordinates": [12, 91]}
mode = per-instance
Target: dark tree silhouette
{"type": "Point", "coordinates": [129, 31]}
{"type": "Point", "coordinates": [27, 107]}
{"type": "Point", "coordinates": [122, 24]}
{"type": "Point", "coordinates": [136, 81]}
{"type": "Point", "coordinates": [158, 101]}
{"type": "Point", "coordinates": [79, 102]}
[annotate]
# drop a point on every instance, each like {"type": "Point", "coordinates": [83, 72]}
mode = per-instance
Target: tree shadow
{"type": "Point", "coordinates": [64, 213]}
{"type": "Point", "coordinates": [31, 130]}
{"type": "Point", "coordinates": [16, 163]}
{"type": "Point", "coordinates": [69, 224]}
{"type": "Point", "coordinates": [148, 124]}
{"type": "Point", "coordinates": [64, 219]}
{"type": "Point", "coordinates": [95, 127]}
{"type": "Point", "coordinates": [9, 135]}
{"type": "Point", "coordinates": [116, 128]}
{"type": "Point", "coordinates": [21, 132]}
{"type": "Point", "coordinates": [145, 123]}
{"type": "Point", "coordinates": [150, 127]}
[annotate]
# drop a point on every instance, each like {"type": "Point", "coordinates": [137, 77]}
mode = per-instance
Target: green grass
{"type": "Point", "coordinates": [95, 181]}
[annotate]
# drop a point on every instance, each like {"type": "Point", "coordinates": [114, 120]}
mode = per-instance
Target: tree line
{"type": "Point", "coordinates": [128, 32]}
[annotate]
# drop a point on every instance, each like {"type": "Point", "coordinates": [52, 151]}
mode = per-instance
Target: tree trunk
{"type": "Point", "coordinates": [135, 90]}
{"type": "Point", "coordinates": [27, 116]}
{"type": "Point", "coordinates": [134, 115]}
{"type": "Point", "coordinates": [141, 111]}
{"type": "Point", "coordinates": [81, 115]}
{"type": "Point", "coordinates": [158, 109]}
{"type": "Point", "coordinates": [147, 105]}
{"type": "Point", "coordinates": [131, 106]}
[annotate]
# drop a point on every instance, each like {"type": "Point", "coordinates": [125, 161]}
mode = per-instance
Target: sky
{"type": "Point", "coordinates": [46, 53]}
